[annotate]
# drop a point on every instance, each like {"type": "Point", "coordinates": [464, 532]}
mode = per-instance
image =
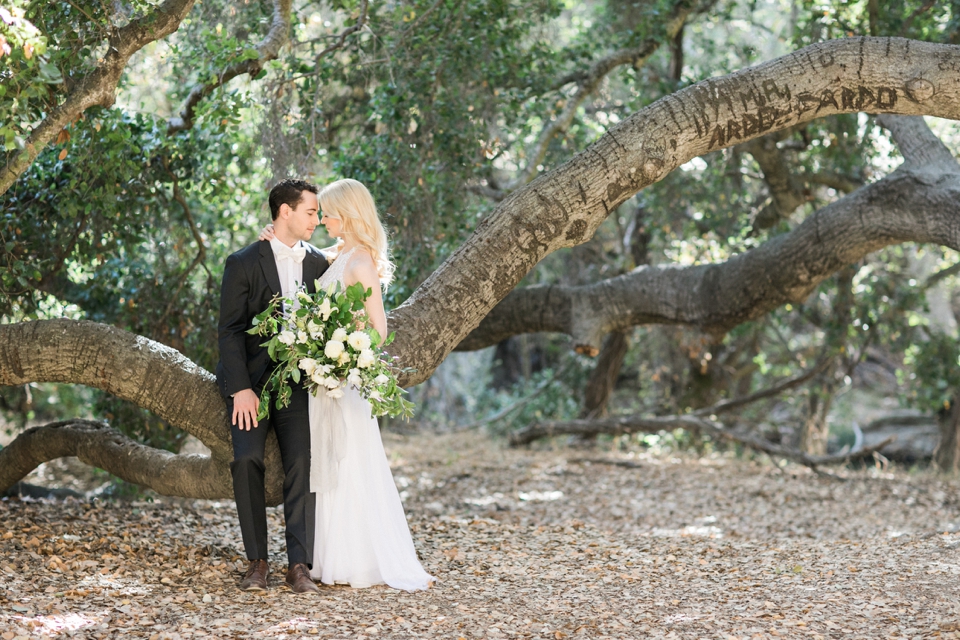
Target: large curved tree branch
{"type": "Point", "coordinates": [267, 50]}
{"type": "Point", "coordinates": [97, 444]}
{"type": "Point", "coordinates": [564, 207]}
{"type": "Point", "coordinates": [97, 87]}
{"type": "Point", "coordinates": [133, 368]}
{"type": "Point", "coordinates": [919, 202]}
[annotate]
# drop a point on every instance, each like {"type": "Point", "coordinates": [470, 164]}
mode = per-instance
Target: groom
{"type": "Point", "coordinates": [252, 277]}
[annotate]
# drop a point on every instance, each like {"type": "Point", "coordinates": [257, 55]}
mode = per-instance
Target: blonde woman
{"type": "Point", "coordinates": [361, 536]}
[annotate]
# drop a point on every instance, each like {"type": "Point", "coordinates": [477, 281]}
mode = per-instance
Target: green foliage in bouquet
{"type": "Point", "coordinates": [326, 344]}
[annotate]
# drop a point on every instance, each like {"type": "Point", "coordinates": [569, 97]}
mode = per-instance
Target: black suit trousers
{"type": "Point", "coordinates": [292, 426]}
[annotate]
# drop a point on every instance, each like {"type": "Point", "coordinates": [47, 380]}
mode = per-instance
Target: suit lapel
{"type": "Point", "coordinates": [314, 265]}
{"type": "Point", "coordinates": [269, 265]}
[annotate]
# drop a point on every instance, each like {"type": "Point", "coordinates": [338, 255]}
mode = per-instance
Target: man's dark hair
{"type": "Point", "coordinates": [290, 193]}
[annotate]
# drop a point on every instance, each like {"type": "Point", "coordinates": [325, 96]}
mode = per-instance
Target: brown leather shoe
{"type": "Point", "coordinates": [298, 579]}
{"type": "Point", "coordinates": [255, 579]}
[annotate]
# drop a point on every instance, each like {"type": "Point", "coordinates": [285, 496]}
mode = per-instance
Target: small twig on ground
{"type": "Point", "coordinates": [519, 403]}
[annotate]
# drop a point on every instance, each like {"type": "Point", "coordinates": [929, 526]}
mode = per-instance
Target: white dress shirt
{"type": "Point", "coordinates": [289, 270]}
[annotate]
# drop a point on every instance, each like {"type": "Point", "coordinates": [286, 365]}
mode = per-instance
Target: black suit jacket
{"type": "Point", "coordinates": [250, 281]}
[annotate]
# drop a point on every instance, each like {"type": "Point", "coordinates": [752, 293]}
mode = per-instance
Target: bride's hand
{"type": "Point", "coordinates": [267, 233]}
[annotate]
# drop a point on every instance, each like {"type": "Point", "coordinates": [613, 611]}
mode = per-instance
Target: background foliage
{"type": "Point", "coordinates": [436, 104]}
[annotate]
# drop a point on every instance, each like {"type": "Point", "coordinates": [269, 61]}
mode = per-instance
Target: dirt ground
{"type": "Point", "coordinates": [544, 543]}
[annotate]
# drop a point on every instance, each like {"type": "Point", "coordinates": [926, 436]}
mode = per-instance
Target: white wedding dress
{"type": "Point", "coordinates": [362, 537]}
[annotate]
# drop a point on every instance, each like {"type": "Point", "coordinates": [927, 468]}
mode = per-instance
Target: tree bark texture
{"type": "Point", "coordinates": [99, 86]}
{"type": "Point", "coordinates": [919, 202]}
{"type": "Point", "coordinates": [603, 378]}
{"type": "Point", "coordinates": [134, 368]}
{"type": "Point", "coordinates": [947, 454]}
{"type": "Point", "coordinates": [564, 207]}
{"type": "Point", "coordinates": [97, 444]}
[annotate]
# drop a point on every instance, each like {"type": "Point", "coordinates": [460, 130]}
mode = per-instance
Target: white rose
{"type": "Point", "coordinates": [287, 337]}
{"type": "Point", "coordinates": [333, 349]}
{"type": "Point", "coordinates": [315, 330]}
{"type": "Point", "coordinates": [340, 335]}
{"type": "Point", "coordinates": [380, 379]}
{"type": "Point", "coordinates": [325, 309]}
{"type": "Point", "coordinates": [327, 368]}
{"type": "Point", "coordinates": [344, 358]}
{"type": "Point", "coordinates": [354, 377]}
{"type": "Point", "coordinates": [302, 337]}
{"type": "Point", "coordinates": [335, 393]}
{"type": "Point", "coordinates": [359, 340]}
{"type": "Point", "coordinates": [318, 378]}
{"type": "Point", "coordinates": [331, 383]}
{"type": "Point", "coordinates": [366, 359]}
{"type": "Point", "coordinates": [308, 365]}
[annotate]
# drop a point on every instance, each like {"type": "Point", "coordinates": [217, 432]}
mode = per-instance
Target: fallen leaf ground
{"type": "Point", "coordinates": [544, 543]}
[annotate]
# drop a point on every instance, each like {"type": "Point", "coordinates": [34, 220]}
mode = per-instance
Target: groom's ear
{"type": "Point", "coordinates": [284, 211]}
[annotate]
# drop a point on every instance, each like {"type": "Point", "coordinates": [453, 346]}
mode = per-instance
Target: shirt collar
{"type": "Point", "coordinates": [276, 245]}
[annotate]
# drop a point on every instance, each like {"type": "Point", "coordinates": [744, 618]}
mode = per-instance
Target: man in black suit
{"type": "Point", "coordinates": [252, 277]}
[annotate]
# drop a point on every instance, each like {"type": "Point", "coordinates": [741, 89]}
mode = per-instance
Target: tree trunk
{"type": "Point", "coordinates": [816, 428]}
{"type": "Point", "coordinates": [947, 454]}
{"type": "Point", "coordinates": [603, 378]}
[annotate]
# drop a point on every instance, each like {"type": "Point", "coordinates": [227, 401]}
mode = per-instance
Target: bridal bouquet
{"type": "Point", "coordinates": [326, 343]}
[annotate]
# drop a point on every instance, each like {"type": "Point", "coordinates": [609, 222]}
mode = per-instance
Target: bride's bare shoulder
{"type": "Point", "coordinates": [361, 265]}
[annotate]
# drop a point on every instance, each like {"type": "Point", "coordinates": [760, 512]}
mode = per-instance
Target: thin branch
{"type": "Point", "coordinates": [97, 87]}
{"type": "Point", "coordinates": [341, 40]}
{"type": "Point", "coordinates": [941, 275]}
{"type": "Point", "coordinates": [487, 192]}
{"type": "Point", "coordinates": [588, 84]}
{"type": "Point", "coordinates": [635, 424]}
{"type": "Point", "coordinates": [201, 248]}
{"type": "Point", "coordinates": [913, 16]}
{"type": "Point", "coordinates": [836, 181]}
{"type": "Point", "coordinates": [267, 50]}
{"type": "Point", "coordinates": [361, 21]}
{"type": "Point", "coordinates": [64, 254]}
{"type": "Point", "coordinates": [920, 147]}
{"type": "Point", "coordinates": [413, 25]}
{"type": "Point", "coordinates": [729, 405]}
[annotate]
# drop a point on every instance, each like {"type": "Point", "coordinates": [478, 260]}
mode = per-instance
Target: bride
{"type": "Point", "coordinates": [361, 538]}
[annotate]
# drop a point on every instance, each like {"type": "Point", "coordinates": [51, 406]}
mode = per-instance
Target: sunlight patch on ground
{"type": "Point", "coordinates": [485, 500]}
{"type": "Point", "coordinates": [697, 531]}
{"type": "Point", "coordinates": [540, 496]}
{"type": "Point", "coordinates": [55, 624]}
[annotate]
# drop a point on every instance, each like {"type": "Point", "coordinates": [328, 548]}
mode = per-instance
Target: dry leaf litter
{"type": "Point", "coordinates": [543, 543]}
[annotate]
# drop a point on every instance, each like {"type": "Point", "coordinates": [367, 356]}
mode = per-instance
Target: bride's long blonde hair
{"type": "Point", "coordinates": [351, 203]}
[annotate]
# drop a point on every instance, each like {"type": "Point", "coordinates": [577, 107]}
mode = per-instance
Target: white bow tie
{"type": "Point", "coordinates": [287, 253]}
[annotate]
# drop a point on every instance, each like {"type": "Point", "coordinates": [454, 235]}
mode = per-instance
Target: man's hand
{"type": "Point", "coordinates": [246, 404]}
